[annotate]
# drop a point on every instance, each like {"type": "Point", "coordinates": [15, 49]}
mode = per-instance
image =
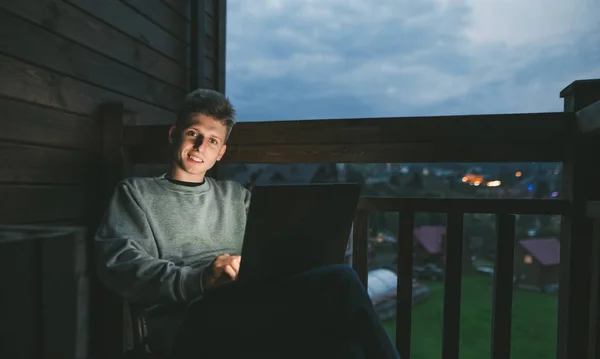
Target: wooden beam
{"type": "Point", "coordinates": [478, 138]}
{"type": "Point", "coordinates": [465, 205]}
{"type": "Point", "coordinates": [371, 153]}
{"type": "Point", "coordinates": [527, 128]}
{"type": "Point", "coordinates": [588, 119]}
{"type": "Point", "coordinates": [395, 153]}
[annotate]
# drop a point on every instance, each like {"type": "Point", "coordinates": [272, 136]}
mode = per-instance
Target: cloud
{"type": "Point", "coordinates": [302, 59]}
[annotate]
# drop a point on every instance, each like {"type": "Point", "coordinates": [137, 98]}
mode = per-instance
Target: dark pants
{"type": "Point", "coordinates": [322, 313]}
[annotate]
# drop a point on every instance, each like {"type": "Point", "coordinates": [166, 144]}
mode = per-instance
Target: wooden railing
{"type": "Point", "coordinates": [568, 137]}
{"type": "Point", "coordinates": [455, 209]}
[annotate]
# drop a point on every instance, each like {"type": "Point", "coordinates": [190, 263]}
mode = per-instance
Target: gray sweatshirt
{"type": "Point", "coordinates": [157, 237]}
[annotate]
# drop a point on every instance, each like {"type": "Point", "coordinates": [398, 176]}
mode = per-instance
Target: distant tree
{"type": "Point", "coordinates": [277, 177]}
{"type": "Point", "coordinates": [542, 189]}
{"type": "Point", "coordinates": [451, 182]}
{"type": "Point", "coordinates": [354, 176]}
{"type": "Point", "coordinates": [482, 226]}
{"type": "Point", "coordinates": [506, 175]}
{"type": "Point", "coordinates": [416, 182]}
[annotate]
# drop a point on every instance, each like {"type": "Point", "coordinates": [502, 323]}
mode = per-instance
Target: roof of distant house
{"type": "Point", "coordinates": [430, 238]}
{"type": "Point", "coordinates": [544, 250]}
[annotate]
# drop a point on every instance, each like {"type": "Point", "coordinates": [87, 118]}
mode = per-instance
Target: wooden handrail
{"type": "Point", "coordinates": [476, 138]}
{"type": "Point", "coordinates": [465, 205]}
{"type": "Point", "coordinates": [520, 127]}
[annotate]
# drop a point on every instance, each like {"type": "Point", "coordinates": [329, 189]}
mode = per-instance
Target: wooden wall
{"type": "Point", "coordinates": [61, 59]}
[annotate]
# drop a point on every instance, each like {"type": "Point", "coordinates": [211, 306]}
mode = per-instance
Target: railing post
{"type": "Point", "coordinates": [581, 177]}
{"type": "Point", "coordinates": [593, 209]}
{"type": "Point", "coordinates": [107, 314]}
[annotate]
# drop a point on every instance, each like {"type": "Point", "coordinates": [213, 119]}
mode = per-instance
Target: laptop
{"type": "Point", "coordinates": [294, 228]}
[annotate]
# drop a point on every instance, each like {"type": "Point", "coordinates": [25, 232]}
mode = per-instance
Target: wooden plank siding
{"type": "Point", "coordinates": [44, 49]}
{"type": "Point", "coordinates": [163, 16]}
{"type": "Point", "coordinates": [60, 60]}
{"type": "Point", "coordinates": [134, 24]}
{"type": "Point", "coordinates": [181, 7]}
{"type": "Point", "coordinates": [84, 29]}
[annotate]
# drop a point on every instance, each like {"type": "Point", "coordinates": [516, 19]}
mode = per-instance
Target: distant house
{"type": "Point", "coordinates": [429, 244]}
{"type": "Point", "coordinates": [537, 262]}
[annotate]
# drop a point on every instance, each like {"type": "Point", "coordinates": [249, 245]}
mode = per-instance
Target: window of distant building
{"type": "Point", "coordinates": [528, 259]}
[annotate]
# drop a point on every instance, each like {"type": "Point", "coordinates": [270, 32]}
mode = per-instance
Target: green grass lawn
{"type": "Point", "coordinates": [534, 321]}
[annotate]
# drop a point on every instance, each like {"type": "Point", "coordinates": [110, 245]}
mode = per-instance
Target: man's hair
{"type": "Point", "coordinates": [210, 103]}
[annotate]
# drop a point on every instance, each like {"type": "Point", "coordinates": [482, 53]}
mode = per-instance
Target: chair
{"type": "Point", "coordinates": [139, 331]}
{"type": "Point", "coordinates": [140, 317]}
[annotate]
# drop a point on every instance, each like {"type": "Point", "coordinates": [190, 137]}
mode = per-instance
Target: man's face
{"type": "Point", "coordinates": [196, 147]}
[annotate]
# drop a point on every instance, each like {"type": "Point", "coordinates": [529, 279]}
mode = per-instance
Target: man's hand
{"type": "Point", "coordinates": [222, 270]}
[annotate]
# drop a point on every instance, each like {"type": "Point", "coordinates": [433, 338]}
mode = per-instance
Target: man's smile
{"type": "Point", "coordinates": [195, 159]}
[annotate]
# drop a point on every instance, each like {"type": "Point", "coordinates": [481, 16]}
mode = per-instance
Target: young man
{"type": "Point", "coordinates": [176, 238]}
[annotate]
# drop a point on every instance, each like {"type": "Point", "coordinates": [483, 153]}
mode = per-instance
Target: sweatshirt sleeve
{"type": "Point", "coordinates": [126, 256]}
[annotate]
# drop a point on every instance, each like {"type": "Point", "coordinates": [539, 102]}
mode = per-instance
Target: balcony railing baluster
{"type": "Point", "coordinates": [503, 287]}
{"type": "Point", "coordinates": [404, 247]}
{"type": "Point", "coordinates": [452, 285]}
